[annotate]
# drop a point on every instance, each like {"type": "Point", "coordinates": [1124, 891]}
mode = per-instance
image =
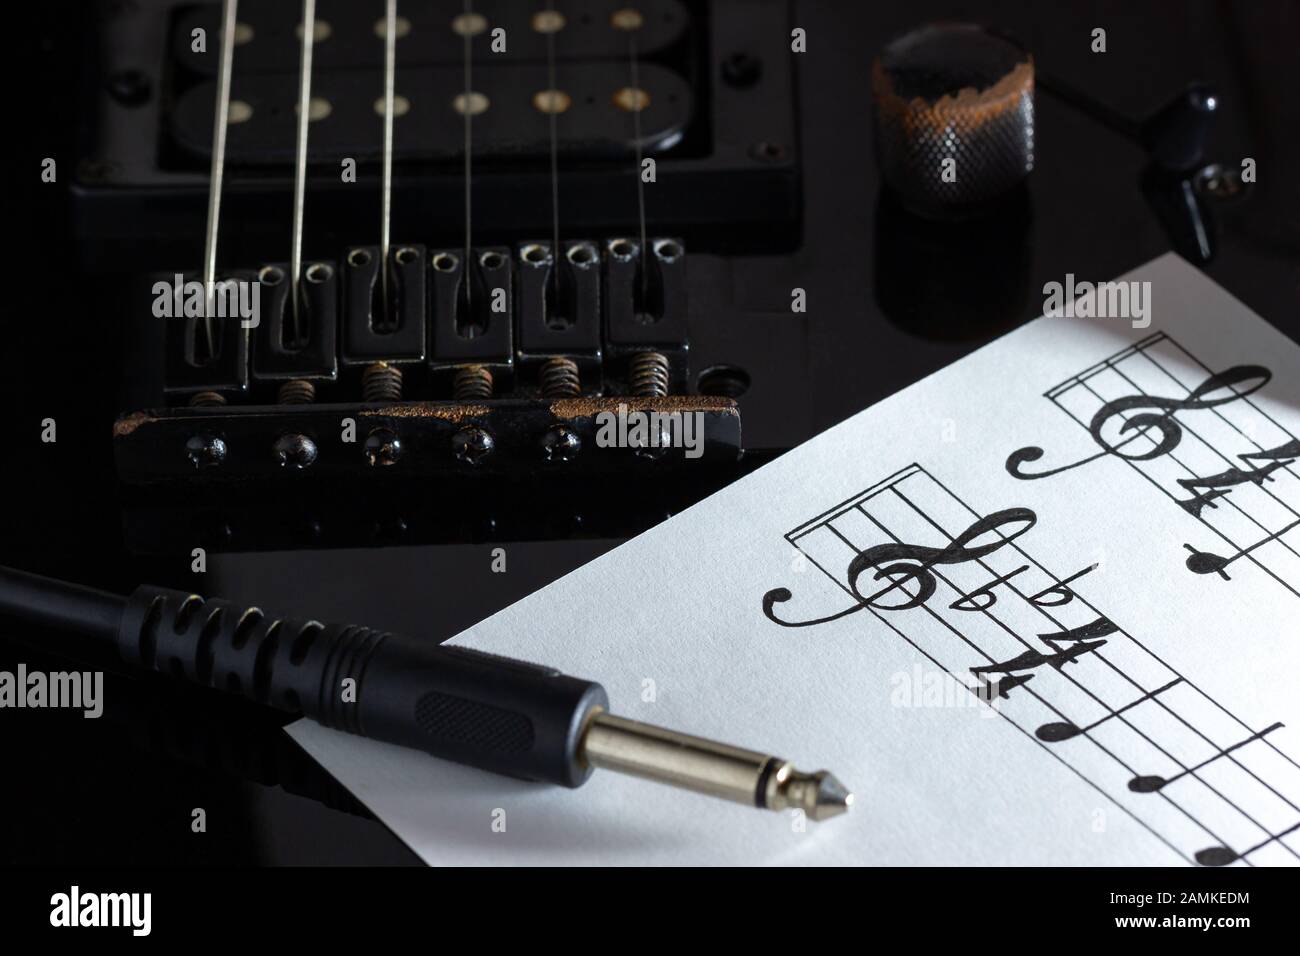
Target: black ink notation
{"type": "Point", "coordinates": [1220, 484]}
{"type": "Point", "coordinates": [1222, 855]}
{"type": "Point", "coordinates": [1064, 730]}
{"type": "Point", "coordinates": [1153, 783]}
{"type": "Point", "coordinates": [903, 564]}
{"type": "Point", "coordinates": [1169, 434]}
{"type": "Point", "coordinates": [1207, 562]}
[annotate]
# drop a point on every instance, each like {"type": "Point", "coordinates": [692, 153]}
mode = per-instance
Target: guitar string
{"type": "Point", "coordinates": [636, 136]}
{"type": "Point", "coordinates": [220, 124]}
{"type": "Point", "coordinates": [300, 156]}
{"type": "Point", "coordinates": [467, 102]}
{"type": "Point", "coordinates": [553, 118]}
{"type": "Point", "coordinates": [386, 200]}
{"type": "Point", "coordinates": [1033, 692]}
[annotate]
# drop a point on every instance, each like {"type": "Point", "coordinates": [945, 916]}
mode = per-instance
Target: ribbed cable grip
{"type": "Point", "coordinates": [502, 715]}
{"type": "Point", "coordinates": [293, 665]}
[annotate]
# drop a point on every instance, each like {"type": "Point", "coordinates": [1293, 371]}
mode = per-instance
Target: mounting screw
{"type": "Point", "coordinates": [206, 450]}
{"type": "Point", "coordinates": [561, 443]}
{"type": "Point", "coordinates": [295, 451]}
{"type": "Point", "coordinates": [129, 87]}
{"type": "Point", "coordinates": [741, 69]}
{"type": "Point", "coordinates": [472, 444]}
{"type": "Point", "coordinates": [767, 152]}
{"type": "Point", "coordinates": [382, 447]}
{"type": "Point", "coordinates": [1218, 182]}
{"type": "Point", "coordinates": [96, 171]}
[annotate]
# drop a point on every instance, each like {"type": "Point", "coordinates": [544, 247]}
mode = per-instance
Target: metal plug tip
{"type": "Point", "coordinates": [819, 795]}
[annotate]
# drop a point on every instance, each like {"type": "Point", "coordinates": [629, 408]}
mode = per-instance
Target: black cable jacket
{"type": "Point", "coordinates": [60, 605]}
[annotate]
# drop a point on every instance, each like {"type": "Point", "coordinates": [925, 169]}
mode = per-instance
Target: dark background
{"type": "Point", "coordinates": [120, 790]}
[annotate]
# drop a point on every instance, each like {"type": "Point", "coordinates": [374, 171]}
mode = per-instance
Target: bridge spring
{"type": "Point", "coordinates": [560, 378]}
{"type": "Point", "coordinates": [381, 382]}
{"type": "Point", "coordinates": [473, 382]}
{"type": "Point", "coordinates": [297, 391]}
{"type": "Point", "coordinates": [648, 375]}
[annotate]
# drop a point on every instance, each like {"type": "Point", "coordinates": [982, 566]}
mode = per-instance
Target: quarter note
{"type": "Point", "coordinates": [1153, 783]}
{"type": "Point", "coordinates": [1207, 562]}
{"type": "Point", "coordinates": [1222, 855]}
{"type": "Point", "coordinates": [1063, 730]}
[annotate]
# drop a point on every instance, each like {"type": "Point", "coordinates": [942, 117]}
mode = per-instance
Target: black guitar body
{"type": "Point", "coordinates": [782, 283]}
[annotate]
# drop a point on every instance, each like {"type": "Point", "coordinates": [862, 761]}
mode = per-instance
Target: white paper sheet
{"type": "Point", "coordinates": [673, 624]}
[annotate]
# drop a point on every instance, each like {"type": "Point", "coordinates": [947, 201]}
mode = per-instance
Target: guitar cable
{"type": "Point", "coordinates": [506, 716]}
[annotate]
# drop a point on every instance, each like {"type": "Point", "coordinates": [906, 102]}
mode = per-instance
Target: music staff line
{"type": "Point", "coordinates": [1245, 397]}
{"type": "Point", "coordinates": [1161, 661]}
{"type": "Point", "coordinates": [1119, 629]}
{"type": "Point", "coordinates": [1220, 854]}
{"type": "Point", "coordinates": [1281, 465]}
{"type": "Point", "coordinates": [1233, 504]}
{"type": "Point", "coordinates": [1142, 348]}
{"type": "Point", "coordinates": [1113, 713]}
{"type": "Point", "coordinates": [1240, 550]}
{"type": "Point", "coordinates": [975, 691]}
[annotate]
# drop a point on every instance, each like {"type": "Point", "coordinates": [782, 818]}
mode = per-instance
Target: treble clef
{"type": "Point", "coordinates": [900, 563]}
{"type": "Point", "coordinates": [1168, 433]}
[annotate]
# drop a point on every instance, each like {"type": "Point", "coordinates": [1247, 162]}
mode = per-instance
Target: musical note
{"type": "Point", "coordinates": [1222, 855]}
{"type": "Point", "coordinates": [1063, 730]}
{"type": "Point", "coordinates": [1001, 687]}
{"type": "Point", "coordinates": [1032, 659]}
{"type": "Point", "coordinates": [1290, 449]}
{"type": "Point", "coordinates": [899, 573]}
{"type": "Point", "coordinates": [971, 601]}
{"type": "Point", "coordinates": [1101, 627]}
{"type": "Point", "coordinates": [1194, 506]}
{"type": "Point", "coordinates": [956, 552]}
{"type": "Point", "coordinates": [1060, 589]}
{"type": "Point", "coordinates": [1207, 562]}
{"type": "Point", "coordinates": [1234, 476]}
{"type": "Point", "coordinates": [1169, 432]}
{"type": "Point", "coordinates": [1153, 783]}
{"type": "Point", "coordinates": [946, 635]}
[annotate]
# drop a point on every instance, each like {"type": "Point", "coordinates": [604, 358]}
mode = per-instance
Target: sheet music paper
{"type": "Point", "coordinates": [1040, 608]}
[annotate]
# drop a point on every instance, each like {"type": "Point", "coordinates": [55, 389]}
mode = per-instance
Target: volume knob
{"type": "Point", "coordinates": [954, 117]}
